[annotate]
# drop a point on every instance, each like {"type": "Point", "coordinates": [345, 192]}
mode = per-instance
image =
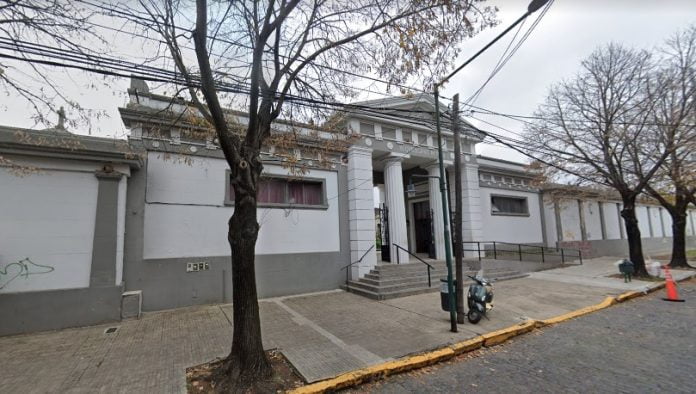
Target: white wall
{"type": "Point", "coordinates": [691, 222]}
{"type": "Point", "coordinates": [185, 215]}
{"type": "Point", "coordinates": [643, 225]}
{"type": "Point", "coordinates": [612, 220]}
{"type": "Point", "coordinates": [121, 228]}
{"type": "Point", "coordinates": [49, 218]}
{"type": "Point", "coordinates": [593, 221]}
{"type": "Point", "coordinates": [517, 229]}
{"type": "Point", "coordinates": [550, 223]}
{"type": "Point", "coordinates": [655, 220]}
{"type": "Point", "coordinates": [570, 219]}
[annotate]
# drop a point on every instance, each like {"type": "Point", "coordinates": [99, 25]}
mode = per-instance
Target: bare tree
{"type": "Point", "coordinates": [272, 53]}
{"type": "Point", "coordinates": [673, 123]}
{"type": "Point", "coordinates": [591, 127]}
{"type": "Point", "coordinates": [24, 27]}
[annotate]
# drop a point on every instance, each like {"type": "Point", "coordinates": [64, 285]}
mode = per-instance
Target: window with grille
{"type": "Point", "coordinates": [277, 191]}
{"type": "Point", "coordinates": [508, 205]}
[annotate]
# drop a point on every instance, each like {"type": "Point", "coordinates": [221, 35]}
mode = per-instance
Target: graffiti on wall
{"type": "Point", "coordinates": [21, 269]}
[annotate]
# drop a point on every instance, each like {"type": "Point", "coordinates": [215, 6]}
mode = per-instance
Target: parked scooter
{"type": "Point", "coordinates": [479, 298]}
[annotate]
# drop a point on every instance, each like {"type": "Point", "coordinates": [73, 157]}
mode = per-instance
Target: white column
{"type": "Point", "coordinates": [394, 185]}
{"type": "Point", "coordinates": [472, 223]}
{"type": "Point", "coordinates": [361, 211]}
{"type": "Point", "coordinates": [436, 207]}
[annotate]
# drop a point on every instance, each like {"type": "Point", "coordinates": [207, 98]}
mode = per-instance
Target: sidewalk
{"type": "Point", "coordinates": [322, 334]}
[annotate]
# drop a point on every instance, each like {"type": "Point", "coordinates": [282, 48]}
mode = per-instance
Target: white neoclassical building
{"type": "Point", "coordinates": [145, 218]}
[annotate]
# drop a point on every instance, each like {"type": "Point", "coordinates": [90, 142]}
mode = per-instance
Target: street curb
{"type": "Point", "coordinates": [494, 338]}
{"type": "Point", "coordinates": [609, 301]}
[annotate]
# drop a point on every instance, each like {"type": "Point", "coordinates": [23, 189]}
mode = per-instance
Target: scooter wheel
{"type": "Point", "coordinates": [474, 316]}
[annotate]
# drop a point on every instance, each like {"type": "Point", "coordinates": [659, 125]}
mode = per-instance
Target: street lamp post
{"type": "Point", "coordinates": [533, 6]}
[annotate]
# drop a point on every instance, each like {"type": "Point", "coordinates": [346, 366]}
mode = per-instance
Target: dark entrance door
{"type": "Point", "coordinates": [423, 228]}
{"type": "Point", "coordinates": [383, 229]}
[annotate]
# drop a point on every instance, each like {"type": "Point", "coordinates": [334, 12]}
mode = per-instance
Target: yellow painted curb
{"type": "Point", "coordinates": [421, 360]}
{"type": "Point", "coordinates": [609, 301]}
{"type": "Point", "coordinates": [628, 296]}
{"type": "Point", "coordinates": [468, 345]}
{"type": "Point", "coordinates": [500, 336]}
{"type": "Point", "coordinates": [378, 371]}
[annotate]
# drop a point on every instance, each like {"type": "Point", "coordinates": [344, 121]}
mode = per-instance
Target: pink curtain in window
{"type": "Point", "coordinates": [271, 191]}
{"type": "Point", "coordinates": [296, 193]}
{"type": "Point", "coordinates": [312, 193]}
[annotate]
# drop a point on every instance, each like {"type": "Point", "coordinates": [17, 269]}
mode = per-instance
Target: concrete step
{"type": "Point", "coordinates": [389, 295]}
{"type": "Point", "coordinates": [389, 288]}
{"type": "Point", "coordinates": [393, 289]}
{"type": "Point", "coordinates": [386, 281]}
{"type": "Point", "coordinates": [422, 277]}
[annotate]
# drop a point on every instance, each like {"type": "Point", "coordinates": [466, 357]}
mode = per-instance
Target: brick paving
{"type": "Point", "coordinates": [322, 335]}
{"type": "Point", "coordinates": [645, 345]}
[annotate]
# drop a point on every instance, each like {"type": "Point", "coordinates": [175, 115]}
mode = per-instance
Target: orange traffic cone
{"type": "Point", "coordinates": [671, 287]}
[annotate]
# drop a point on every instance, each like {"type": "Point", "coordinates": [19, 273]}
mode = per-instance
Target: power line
{"type": "Point", "coordinates": [503, 59]}
{"type": "Point", "coordinates": [147, 22]}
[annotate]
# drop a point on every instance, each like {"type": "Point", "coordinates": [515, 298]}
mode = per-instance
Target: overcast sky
{"type": "Point", "coordinates": [568, 33]}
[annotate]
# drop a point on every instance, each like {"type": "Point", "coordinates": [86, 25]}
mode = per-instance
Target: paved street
{"type": "Point", "coordinates": [644, 345]}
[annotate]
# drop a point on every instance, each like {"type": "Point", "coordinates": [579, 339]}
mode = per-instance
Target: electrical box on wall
{"type": "Point", "coordinates": [195, 267]}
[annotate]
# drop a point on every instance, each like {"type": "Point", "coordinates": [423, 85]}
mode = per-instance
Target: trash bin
{"type": "Point", "coordinates": [627, 269]}
{"type": "Point", "coordinates": [444, 294]}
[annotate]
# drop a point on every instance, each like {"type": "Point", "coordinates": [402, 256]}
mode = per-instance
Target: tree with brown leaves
{"type": "Point", "coordinates": [290, 52]}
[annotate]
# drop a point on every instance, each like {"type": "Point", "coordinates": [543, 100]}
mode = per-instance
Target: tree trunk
{"type": "Point", "coordinates": [678, 237]}
{"type": "Point", "coordinates": [635, 245]}
{"type": "Point", "coordinates": [247, 362]}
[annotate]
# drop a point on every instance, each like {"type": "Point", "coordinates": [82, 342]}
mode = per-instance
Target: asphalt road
{"type": "Point", "coordinates": [645, 345]}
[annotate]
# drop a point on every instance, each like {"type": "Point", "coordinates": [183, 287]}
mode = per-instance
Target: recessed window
{"type": "Point", "coordinates": [486, 177]}
{"type": "Point", "coordinates": [508, 205]}
{"type": "Point", "coordinates": [389, 133]}
{"type": "Point", "coordinates": [422, 139]}
{"type": "Point", "coordinates": [407, 135]}
{"type": "Point", "coordinates": [277, 191]}
{"type": "Point", "coordinates": [367, 128]}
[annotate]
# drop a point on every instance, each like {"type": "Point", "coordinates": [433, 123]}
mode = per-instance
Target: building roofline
{"type": "Point", "coordinates": [49, 143]}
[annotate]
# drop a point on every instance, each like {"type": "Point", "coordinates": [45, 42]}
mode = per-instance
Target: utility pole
{"type": "Point", "coordinates": [459, 264]}
{"type": "Point", "coordinates": [533, 6]}
{"type": "Point", "coordinates": [445, 214]}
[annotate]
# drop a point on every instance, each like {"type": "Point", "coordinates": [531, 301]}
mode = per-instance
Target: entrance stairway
{"type": "Point", "coordinates": [388, 281]}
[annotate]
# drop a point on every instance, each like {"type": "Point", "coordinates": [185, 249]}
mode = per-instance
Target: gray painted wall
{"type": "Point", "coordinates": [56, 309]}
{"type": "Point", "coordinates": [166, 284]}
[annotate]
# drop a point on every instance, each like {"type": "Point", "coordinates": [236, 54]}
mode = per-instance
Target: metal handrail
{"type": "Point", "coordinates": [360, 259]}
{"type": "Point", "coordinates": [543, 250]}
{"type": "Point", "coordinates": [515, 244]}
{"type": "Point", "coordinates": [356, 261]}
{"type": "Point", "coordinates": [398, 261]}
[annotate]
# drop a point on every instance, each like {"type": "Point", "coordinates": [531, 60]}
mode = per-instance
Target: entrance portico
{"type": "Point", "coordinates": [390, 150]}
